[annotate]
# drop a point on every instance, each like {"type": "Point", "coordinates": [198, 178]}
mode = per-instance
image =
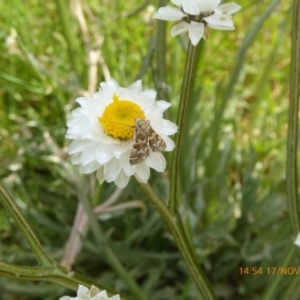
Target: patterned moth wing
{"type": "Point", "coordinates": [145, 137]}
{"type": "Point", "coordinates": [156, 143]}
{"type": "Point", "coordinates": [139, 153]}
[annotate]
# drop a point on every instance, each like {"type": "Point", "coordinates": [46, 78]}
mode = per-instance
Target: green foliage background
{"type": "Point", "coordinates": [232, 168]}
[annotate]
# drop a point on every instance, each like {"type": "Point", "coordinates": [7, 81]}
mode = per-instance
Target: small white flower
{"type": "Point", "coordinates": [195, 15]}
{"type": "Point", "coordinates": [102, 131]}
{"type": "Point", "coordinates": [297, 241]}
{"type": "Point", "coordinates": [84, 293]}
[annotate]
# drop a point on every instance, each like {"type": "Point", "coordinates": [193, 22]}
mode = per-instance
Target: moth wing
{"type": "Point", "coordinates": [139, 153]}
{"type": "Point", "coordinates": [140, 134]}
{"type": "Point", "coordinates": [156, 143]}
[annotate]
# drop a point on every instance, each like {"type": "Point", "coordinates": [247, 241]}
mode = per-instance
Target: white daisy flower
{"type": "Point", "coordinates": [103, 128]}
{"type": "Point", "coordinates": [194, 16]}
{"type": "Point", "coordinates": [84, 293]}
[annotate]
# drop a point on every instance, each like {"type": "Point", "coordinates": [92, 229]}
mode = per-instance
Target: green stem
{"type": "Point", "coordinates": [22, 224]}
{"type": "Point", "coordinates": [161, 81]}
{"type": "Point", "coordinates": [182, 111]}
{"type": "Point", "coordinates": [41, 274]}
{"type": "Point", "coordinates": [184, 245]}
{"type": "Point", "coordinates": [57, 274]}
{"type": "Point", "coordinates": [103, 242]}
{"type": "Point", "coordinates": [292, 141]}
{"type": "Point", "coordinates": [272, 289]}
{"type": "Point", "coordinates": [50, 270]}
{"type": "Point", "coordinates": [73, 48]}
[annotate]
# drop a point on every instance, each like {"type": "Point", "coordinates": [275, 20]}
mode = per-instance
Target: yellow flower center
{"type": "Point", "coordinates": [118, 119]}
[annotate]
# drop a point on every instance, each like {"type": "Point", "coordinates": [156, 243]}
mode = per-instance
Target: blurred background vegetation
{"type": "Point", "coordinates": [232, 168]}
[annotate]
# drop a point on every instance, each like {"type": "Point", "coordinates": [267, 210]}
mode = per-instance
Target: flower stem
{"type": "Point", "coordinates": [292, 141]}
{"type": "Point", "coordinates": [182, 111]}
{"type": "Point", "coordinates": [24, 227]}
{"type": "Point", "coordinates": [161, 80]}
{"type": "Point", "coordinates": [50, 269]}
{"type": "Point", "coordinates": [184, 245]}
{"type": "Point", "coordinates": [73, 46]}
{"type": "Point", "coordinates": [55, 274]}
{"type": "Point", "coordinates": [272, 288]}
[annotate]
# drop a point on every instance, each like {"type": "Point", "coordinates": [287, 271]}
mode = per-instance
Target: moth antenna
{"type": "Point", "coordinates": [144, 110]}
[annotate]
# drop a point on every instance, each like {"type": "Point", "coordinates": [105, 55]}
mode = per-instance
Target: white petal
{"type": "Point", "coordinates": [136, 87]}
{"type": "Point", "coordinates": [155, 114]}
{"type": "Point", "coordinates": [83, 292]}
{"type": "Point", "coordinates": [168, 127]}
{"type": "Point", "coordinates": [221, 22]}
{"type": "Point", "coordinates": [77, 146]}
{"type": "Point", "coordinates": [214, 4]}
{"type": "Point", "coordinates": [100, 175]}
{"type": "Point", "coordinates": [76, 159]}
{"type": "Point", "coordinates": [142, 172]}
{"type": "Point", "coordinates": [169, 13]}
{"type": "Point", "coordinates": [297, 241]}
{"type": "Point", "coordinates": [100, 296]}
{"type": "Point", "coordinates": [86, 102]}
{"type": "Point", "coordinates": [94, 291]}
{"type": "Point", "coordinates": [112, 170]}
{"type": "Point", "coordinates": [76, 112]}
{"type": "Point", "coordinates": [156, 161]}
{"type": "Point", "coordinates": [159, 107]}
{"type": "Point", "coordinates": [65, 298]}
{"type": "Point", "coordinates": [84, 127]}
{"type": "Point", "coordinates": [190, 7]}
{"type": "Point", "coordinates": [104, 138]}
{"type": "Point", "coordinates": [110, 83]}
{"type": "Point", "coordinates": [228, 8]}
{"type": "Point", "coordinates": [196, 32]}
{"type": "Point", "coordinates": [93, 109]}
{"type": "Point", "coordinates": [170, 143]}
{"type": "Point", "coordinates": [104, 97]}
{"type": "Point", "coordinates": [120, 148]}
{"type": "Point", "coordinates": [81, 101]}
{"type": "Point", "coordinates": [149, 94]}
{"type": "Point", "coordinates": [122, 180]}
{"type": "Point", "coordinates": [132, 93]}
{"type": "Point", "coordinates": [179, 28]}
{"type": "Point", "coordinates": [176, 2]}
{"type": "Point", "coordinates": [126, 166]}
{"type": "Point", "coordinates": [89, 154]}
{"type": "Point", "coordinates": [206, 6]}
{"type": "Point", "coordinates": [104, 154]}
{"type": "Point", "coordinates": [202, 5]}
{"type": "Point", "coordinates": [115, 297]}
{"type": "Point", "coordinates": [146, 99]}
{"type": "Point", "coordinates": [90, 168]}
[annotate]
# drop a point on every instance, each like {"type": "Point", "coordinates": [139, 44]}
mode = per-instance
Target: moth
{"type": "Point", "coordinates": [145, 139]}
